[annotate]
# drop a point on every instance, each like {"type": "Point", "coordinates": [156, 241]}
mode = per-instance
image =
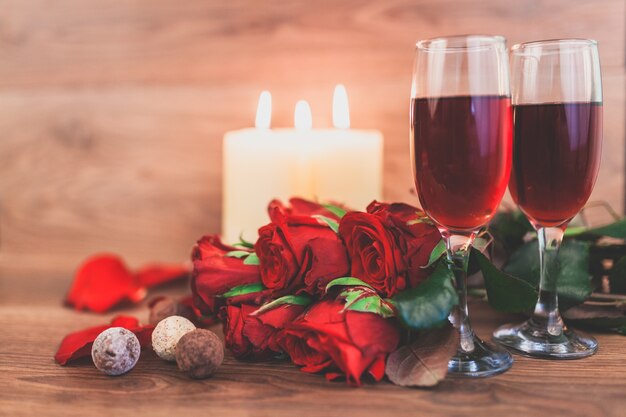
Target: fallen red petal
{"type": "Point", "coordinates": [157, 274]}
{"type": "Point", "coordinates": [102, 282]}
{"type": "Point", "coordinates": [78, 344]}
{"type": "Point", "coordinates": [331, 376]}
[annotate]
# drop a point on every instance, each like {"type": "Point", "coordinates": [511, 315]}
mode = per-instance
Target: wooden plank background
{"type": "Point", "coordinates": [112, 111]}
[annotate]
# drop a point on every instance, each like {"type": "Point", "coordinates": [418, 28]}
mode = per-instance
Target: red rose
{"type": "Point", "coordinates": [327, 337]}
{"type": "Point", "coordinates": [416, 235]}
{"type": "Point", "coordinates": [375, 255]}
{"type": "Point", "coordinates": [299, 253]}
{"type": "Point", "coordinates": [214, 274]}
{"type": "Point", "coordinates": [253, 336]}
{"type": "Point", "coordinates": [389, 245]}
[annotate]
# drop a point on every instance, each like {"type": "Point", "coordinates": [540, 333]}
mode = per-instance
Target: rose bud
{"type": "Point", "coordinates": [215, 273]}
{"type": "Point", "coordinates": [329, 337]}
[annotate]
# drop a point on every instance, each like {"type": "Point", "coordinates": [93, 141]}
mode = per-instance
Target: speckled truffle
{"type": "Point", "coordinates": [199, 353]}
{"type": "Point", "coordinates": [167, 334]}
{"type": "Point", "coordinates": [115, 351]}
{"type": "Point", "coordinates": [166, 307]}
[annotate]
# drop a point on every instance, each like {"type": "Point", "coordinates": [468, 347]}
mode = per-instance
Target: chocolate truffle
{"type": "Point", "coordinates": [199, 353]}
{"type": "Point", "coordinates": [167, 334]}
{"type": "Point", "coordinates": [115, 351]}
{"type": "Point", "coordinates": [166, 307]}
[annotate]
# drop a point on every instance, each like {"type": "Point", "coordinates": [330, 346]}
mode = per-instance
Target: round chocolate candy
{"type": "Point", "coordinates": [199, 353]}
{"type": "Point", "coordinates": [115, 351]}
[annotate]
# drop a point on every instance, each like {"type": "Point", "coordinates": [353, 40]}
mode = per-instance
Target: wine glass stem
{"type": "Point", "coordinates": [458, 248]}
{"type": "Point", "coordinates": [547, 308]}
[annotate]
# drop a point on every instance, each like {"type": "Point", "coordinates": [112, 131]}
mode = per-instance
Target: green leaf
{"type": "Point", "coordinates": [336, 210]}
{"type": "Point", "coordinates": [366, 299]}
{"type": "Point", "coordinates": [243, 290]}
{"type": "Point", "coordinates": [616, 230]}
{"type": "Point", "coordinates": [360, 296]}
{"type": "Point", "coordinates": [237, 254]}
{"type": "Point", "coordinates": [481, 244]}
{"type": "Point", "coordinates": [252, 259]}
{"type": "Point", "coordinates": [243, 243]}
{"type": "Point", "coordinates": [505, 292]}
{"type": "Point", "coordinates": [346, 281]}
{"type": "Point", "coordinates": [330, 222]}
{"type": "Point", "coordinates": [438, 251]}
{"type": "Point", "coordinates": [419, 220]}
{"type": "Point", "coordinates": [300, 300]}
{"type": "Point", "coordinates": [573, 278]}
{"type": "Point", "coordinates": [509, 228]}
{"type": "Point", "coordinates": [240, 245]}
{"type": "Point", "coordinates": [574, 231]}
{"type": "Point", "coordinates": [617, 276]}
{"type": "Point", "coordinates": [428, 305]}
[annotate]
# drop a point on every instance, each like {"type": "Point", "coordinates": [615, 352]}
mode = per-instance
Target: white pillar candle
{"type": "Point", "coordinates": [346, 164]}
{"type": "Point", "coordinates": [260, 164]}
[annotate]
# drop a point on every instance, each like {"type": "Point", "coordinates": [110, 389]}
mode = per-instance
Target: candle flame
{"type": "Point", "coordinates": [264, 111]}
{"type": "Point", "coordinates": [302, 116]}
{"type": "Point", "coordinates": [341, 109]}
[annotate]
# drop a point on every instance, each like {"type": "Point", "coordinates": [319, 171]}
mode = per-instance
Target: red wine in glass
{"type": "Point", "coordinates": [557, 117]}
{"type": "Point", "coordinates": [556, 159]}
{"type": "Point", "coordinates": [462, 157]}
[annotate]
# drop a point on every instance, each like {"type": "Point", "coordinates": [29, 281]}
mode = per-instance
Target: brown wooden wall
{"type": "Point", "coordinates": [112, 111]}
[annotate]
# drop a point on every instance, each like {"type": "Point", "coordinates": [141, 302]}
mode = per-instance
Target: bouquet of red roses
{"type": "Point", "coordinates": [327, 287]}
{"type": "Point", "coordinates": [332, 289]}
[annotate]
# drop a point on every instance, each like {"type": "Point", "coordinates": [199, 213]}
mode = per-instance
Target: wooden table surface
{"type": "Point", "coordinates": [33, 321]}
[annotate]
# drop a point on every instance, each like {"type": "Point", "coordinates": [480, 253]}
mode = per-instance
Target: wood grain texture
{"type": "Point", "coordinates": [112, 112]}
{"type": "Point", "coordinates": [33, 323]}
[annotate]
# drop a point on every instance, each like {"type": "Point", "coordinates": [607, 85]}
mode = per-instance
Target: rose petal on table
{"type": "Point", "coordinates": [157, 274]}
{"type": "Point", "coordinates": [102, 282]}
{"type": "Point", "coordinates": [78, 344]}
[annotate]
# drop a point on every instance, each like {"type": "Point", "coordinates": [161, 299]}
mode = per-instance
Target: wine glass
{"type": "Point", "coordinates": [461, 152]}
{"type": "Point", "coordinates": [557, 108]}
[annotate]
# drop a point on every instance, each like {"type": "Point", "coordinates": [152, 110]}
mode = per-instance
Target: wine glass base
{"type": "Point", "coordinates": [483, 361]}
{"type": "Point", "coordinates": [534, 340]}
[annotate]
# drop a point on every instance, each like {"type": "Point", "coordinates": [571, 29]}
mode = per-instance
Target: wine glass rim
{"type": "Point", "coordinates": [456, 43]}
{"type": "Point", "coordinates": [575, 42]}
